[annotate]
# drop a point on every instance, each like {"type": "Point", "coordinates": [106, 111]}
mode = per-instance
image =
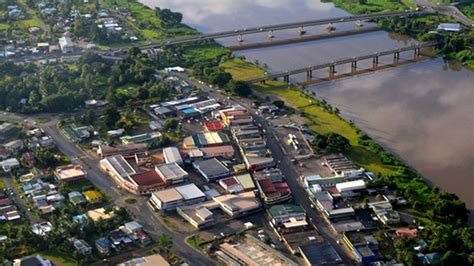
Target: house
{"type": "Point", "coordinates": [211, 169]}
{"type": "Point", "coordinates": [42, 228]}
{"type": "Point", "coordinates": [4, 153]}
{"type": "Point", "coordinates": [28, 159]}
{"type": "Point", "coordinates": [100, 214]}
{"type": "Point", "coordinates": [76, 198]}
{"type": "Point", "coordinates": [35, 260]}
{"type": "Point", "coordinates": [14, 145]}
{"type": "Point", "coordinates": [82, 247]}
{"type": "Point", "coordinates": [9, 164]}
{"type": "Point", "coordinates": [103, 245]}
{"type": "Point", "coordinates": [453, 27]}
{"type": "Point", "coordinates": [66, 45]}
{"type": "Point", "coordinates": [8, 131]}
{"type": "Point", "coordinates": [70, 173]}
{"type": "Point", "coordinates": [93, 196]}
{"type": "Point", "coordinates": [406, 232]}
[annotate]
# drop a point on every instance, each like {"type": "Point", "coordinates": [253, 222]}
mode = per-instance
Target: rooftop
{"type": "Point", "coordinates": [190, 191]}
{"type": "Point", "coordinates": [70, 171]}
{"type": "Point", "coordinates": [168, 195]}
{"type": "Point", "coordinates": [148, 178]}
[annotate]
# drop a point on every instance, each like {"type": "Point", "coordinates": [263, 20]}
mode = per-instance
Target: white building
{"type": "Point", "coordinates": [8, 164]}
{"type": "Point", "coordinates": [172, 155]}
{"type": "Point", "coordinates": [66, 45]}
{"type": "Point", "coordinates": [350, 186]}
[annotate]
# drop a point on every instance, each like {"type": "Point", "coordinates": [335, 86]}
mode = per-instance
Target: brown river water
{"type": "Point", "coordinates": [422, 112]}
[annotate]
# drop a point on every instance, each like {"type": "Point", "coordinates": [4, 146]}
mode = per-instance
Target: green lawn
{"type": "Point", "coordinates": [42, 120]}
{"type": "Point", "coordinates": [58, 258]}
{"type": "Point", "coordinates": [372, 6]}
{"type": "Point", "coordinates": [148, 23]}
{"type": "Point", "coordinates": [2, 184]}
{"type": "Point", "coordinates": [4, 26]}
{"type": "Point", "coordinates": [242, 70]}
{"type": "Point", "coordinates": [204, 53]}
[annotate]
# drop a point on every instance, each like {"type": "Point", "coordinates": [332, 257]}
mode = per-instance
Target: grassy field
{"type": "Point", "coordinates": [148, 23]}
{"type": "Point", "coordinates": [318, 119]}
{"type": "Point", "coordinates": [4, 26]}
{"type": "Point", "coordinates": [2, 184]}
{"type": "Point", "coordinates": [371, 6]}
{"type": "Point", "coordinates": [58, 258]}
{"type": "Point", "coordinates": [203, 53]}
{"type": "Point", "coordinates": [42, 120]}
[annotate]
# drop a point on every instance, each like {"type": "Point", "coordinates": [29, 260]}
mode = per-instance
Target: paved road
{"type": "Point", "coordinates": [449, 10]}
{"type": "Point", "coordinates": [142, 213]}
{"type": "Point", "coordinates": [19, 202]}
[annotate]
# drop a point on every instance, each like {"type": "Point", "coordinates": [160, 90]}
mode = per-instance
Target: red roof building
{"type": "Point", "coordinates": [147, 182]}
{"type": "Point", "coordinates": [214, 126]}
{"type": "Point", "coordinates": [28, 159]}
{"type": "Point", "coordinates": [5, 202]}
{"type": "Point", "coordinates": [406, 232]}
{"type": "Point", "coordinates": [273, 193]}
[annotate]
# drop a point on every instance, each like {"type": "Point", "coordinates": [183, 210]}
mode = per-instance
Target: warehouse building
{"type": "Point", "coordinates": [211, 169]}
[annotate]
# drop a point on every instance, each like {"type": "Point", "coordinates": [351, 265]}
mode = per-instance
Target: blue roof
{"type": "Point", "coordinates": [189, 110]}
{"type": "Point", "coordinates": [103, 242]}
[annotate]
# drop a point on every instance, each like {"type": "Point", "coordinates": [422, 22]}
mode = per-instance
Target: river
{"type": "Point", "coordinates": [423, 112]}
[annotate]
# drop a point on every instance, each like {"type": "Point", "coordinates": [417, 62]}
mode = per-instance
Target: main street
{"type": "Point", "coordinates": [140, 210]}
{"type": "Point", "coordinates": [286, 166]}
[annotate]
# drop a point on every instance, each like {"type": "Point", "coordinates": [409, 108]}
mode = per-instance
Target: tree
{"type": "Point", "coordinates": [337, 142]}
{"type": "Point", "coordinates": [89, 117]}
{"type": "Point", "coordinates": [240, 88]}
{"type": "Point", "coordinates": [167, 17]}
{"type": "Point", "coordinates": [453, 258]}
{"type": "Point", "coordinates": [165, 243]}
{"type": "Point", "coordinates": [279, 103]}
{"type": "Point", "coordinates": [170, 124]}
{"type": "Point", "coordinates": [111, 115]}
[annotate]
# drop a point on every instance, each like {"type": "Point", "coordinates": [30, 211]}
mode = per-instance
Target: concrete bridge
{"type": "Point", "coordinates": [358, 19]}
{"type": "Point", "coordinates": [331, 66]}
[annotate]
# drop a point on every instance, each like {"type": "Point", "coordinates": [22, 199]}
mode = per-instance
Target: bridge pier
{"type": "Point", "coordinates": [239, 38]}
{"type": "Point", "coordinates": [359, 23]}
{"type": "Point", "coordinates": [286, 78]}
{"type": "Point", "coordinates": [270, 34]}
{"type": "Point", "coordinates": [301, 31]}
{"type": "Point", "coordinates": [396, 58]}
{"type": "Point", "coordinates": [309, 75]}
{"type": "Point", "coordinates": [417, 52]}
{"type": "Point", "coordinates": [332, 70]}
{"type": "Point", "coordinates": [263, 82]}
{"type": "Point", "coordinates": [375, 62]}
{"type": "Point", "coordinates": [353, 67]}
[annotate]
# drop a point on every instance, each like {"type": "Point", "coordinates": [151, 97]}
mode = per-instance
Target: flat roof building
{"type": "Point", "coordinates": [66, 44]}
{"type": "Point", "coordinates": [70, 173]}
{"type": "Point", "coordinates": [124, 150]}
{"type": "Point", "coordinates": [169, 199]}
{"type": "Point", "coordinates": [211, 169]}
{"type": "Point", "coordinates": [172, 173]}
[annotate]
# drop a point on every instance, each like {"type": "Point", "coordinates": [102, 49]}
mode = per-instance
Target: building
{"type": "Point", "coordinates": [169, 199]}
{"type": "Point", "coordinates": [231, 185]}
{"type": "Point", "coordinates": [32, 261]}
{"type": "Point", "coordinates": [250, 251]}
{"type": "Point", "coordinates": [285, 213]}
{"type": "Point", "coordinates": [224, 151]}
{"type": "Point", "coordinates": [406, 232]}
{"type": "Point", "coordinates": [70, 173]}
{"type": "Point", "coordinates": [78, 134]}
{"type": "Point", "coordinates": [211, 169]}
{"type": "Point", "coordinates": [201, 215]}
{"type": "Point", "coordinates": [362, 244]}
{"type": "Point", "coordinates": [76, 198]}
{"type": "Point", "coordinates": [66, 45]}
{"type": "Point", "coordinates": [246, 182]}
{"type": "Point", "coordinates": [103, 245]}
{"type": "Point", "coordinates": [99, 214]}
{"type": "Point", "coordinates": [350, 186]}
{"type": "Point", "coordinates": [14, 145]}
{"type": "Point", "coordinates": [213, 126]}
{"type": "Point", "coordinates": [8, 131]}
{"type": "Point", "coordinates": [273, 192]}
{"type": "Point", "coordinates": [205, 139]}
{"type": "Point", "coordinates": [141, 138]}
{"type": "Point", "coordinates": [93, 196]}
{"type": "Point", "coordinates": [124, 150]}
{"type": "Point", "coordinates": [319, 254]}
{"type": "Point", "coordinates": [82, 247]}
{"type": "Point", "coordinates": [236, 117]}
{"type": "Point", "coordinates": [127, 177]}
{"type": "Point", "coordinates": [171, 173]}
{"type": "Point", "coordinates": [152, 260]}
{"type": "Point", "coordinates": [9, 164]}
{"type": "Point", "coordinates": [454, 27]}
{"type": "Point", "coordinates": [172, 155]}
{"type": "Point", "coordinates": [325, 203]}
